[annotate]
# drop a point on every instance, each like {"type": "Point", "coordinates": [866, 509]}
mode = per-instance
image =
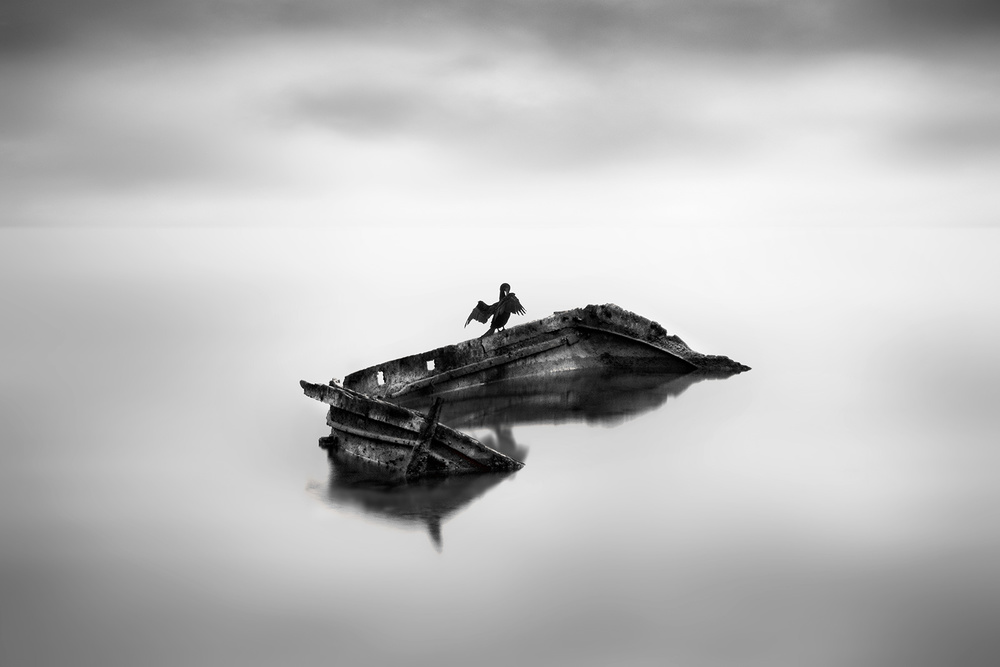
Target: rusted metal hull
{"type": "Point", "coordinates": [603, 337]}
{"type": "Point", "coordinates": [398, 440]}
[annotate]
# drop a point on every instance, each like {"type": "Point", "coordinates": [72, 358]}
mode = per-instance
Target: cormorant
{"type": "Point", "coordinates": [501, 310]}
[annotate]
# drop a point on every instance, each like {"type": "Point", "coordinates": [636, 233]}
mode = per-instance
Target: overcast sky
{"type": "Point", "coordinates": [551, 112]}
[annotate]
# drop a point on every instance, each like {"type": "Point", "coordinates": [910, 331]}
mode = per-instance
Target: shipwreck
{"type": "Point", "coordinates": [377, 416]}
{"type": "Point", "coordinates": [402, 442]}
{"type": "Point", "coordinates": [605, 337]}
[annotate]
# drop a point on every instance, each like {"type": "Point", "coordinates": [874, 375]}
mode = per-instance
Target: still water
{"type": "Point", "coordinates": [163, 500]}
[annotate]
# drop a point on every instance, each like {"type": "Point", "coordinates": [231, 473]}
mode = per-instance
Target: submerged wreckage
{"type": "Point", "coordinates": [368, 423]}
{"type": "Point", "coordinates": [402, 441]}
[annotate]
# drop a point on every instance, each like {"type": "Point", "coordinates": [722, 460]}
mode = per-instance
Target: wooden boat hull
{"type": "Point", "coordinates": [398, 440]}
{"type": "Point", "coordinates": [605, 337]}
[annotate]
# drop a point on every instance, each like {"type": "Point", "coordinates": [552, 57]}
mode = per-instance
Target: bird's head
{"type": "Point", "coordinates": [504, 290]}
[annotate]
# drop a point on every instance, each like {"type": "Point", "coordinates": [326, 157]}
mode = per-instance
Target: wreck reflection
{"type": "Point", "coordinates": [598, 397]}
{"type": "Point", "coordinates": [428, 502]}
{"type": "Point", "coordinates": [502, 439]}
{"type": "Point", "coordinates": [603, 397]}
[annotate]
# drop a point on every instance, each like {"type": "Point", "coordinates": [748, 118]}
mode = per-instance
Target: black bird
{"type": "Point", "coordinates": [501, 310]}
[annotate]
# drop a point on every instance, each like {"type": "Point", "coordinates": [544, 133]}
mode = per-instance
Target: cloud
{"type": "Point", "coordinates": [529, 108]}
{"type": "Point", "coordinates": [955, 132]}
{"type": "Point", "coordinates": [534, 107]}
{"type": "Point", "coordinates": [573, 26]}
{"type": "Point", "coordinates": [101, 122]}
{"type": "Point", "coordinates": [209, 109]}
{"type": "Point", "coordinates": [980, 14]}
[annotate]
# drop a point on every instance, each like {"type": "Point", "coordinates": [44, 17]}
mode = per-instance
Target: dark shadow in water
{"type": "Point", "coordinates": [356, 485]}
{"type": "Point", "coordinates": [599, 397]}
{"type": "Point", "coordinates": [592, 397]}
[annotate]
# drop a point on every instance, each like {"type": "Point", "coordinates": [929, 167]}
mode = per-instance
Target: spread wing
{"type": "Point", "coordinates": [481, 313]}
{"type": "Point", "coordinates": [513, 305]}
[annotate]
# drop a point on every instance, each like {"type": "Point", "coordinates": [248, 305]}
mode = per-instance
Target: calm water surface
{"type": "Point", "coordinates": [163, 500]}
